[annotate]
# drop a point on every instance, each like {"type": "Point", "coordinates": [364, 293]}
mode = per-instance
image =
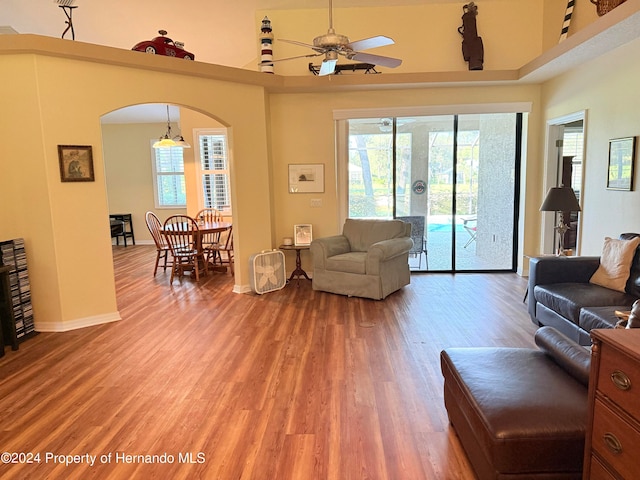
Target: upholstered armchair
{"type": "Point", "coordinates": [370, 259]}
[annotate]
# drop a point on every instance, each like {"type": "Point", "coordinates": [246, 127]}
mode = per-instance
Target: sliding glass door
{"type": "Point", "coordinates": [454, 177]}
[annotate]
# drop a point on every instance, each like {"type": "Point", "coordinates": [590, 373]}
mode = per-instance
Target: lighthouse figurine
{"type": "Point", "coordinates": [266, 46]}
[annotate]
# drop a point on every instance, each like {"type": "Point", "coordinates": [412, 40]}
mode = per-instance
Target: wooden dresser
{"type": "Point", "coordinates": [613, 428]}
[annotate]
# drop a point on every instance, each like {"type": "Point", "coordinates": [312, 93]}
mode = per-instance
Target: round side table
{"type": "Point", "coordinates": [298, 272]}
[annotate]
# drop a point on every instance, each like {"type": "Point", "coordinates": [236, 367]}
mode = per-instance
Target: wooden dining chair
{"type": "Point", "coordinates": [162, 247]}
{"type": "Point", "coordinates": [182, 234]}
{"type": "Point", "coordinates": [210, 215]}
{"type": "Point", "coordinates": [224, 252]}
{"type": "Point", "coordinates": [210, 240]}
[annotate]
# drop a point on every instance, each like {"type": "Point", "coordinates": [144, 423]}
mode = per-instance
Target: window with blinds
{"type": "Point", "coordinates": [572, 145]}
{"type": "Point", "coordinates": [168, 171]}
{"type": "Point", "coordinates": [214, 169]}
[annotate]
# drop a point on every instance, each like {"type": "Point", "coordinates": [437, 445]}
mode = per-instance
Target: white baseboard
{"type": "Point", "coordinates": [241, 289]}
{"type": "Point", "coordinates": [78, 323]}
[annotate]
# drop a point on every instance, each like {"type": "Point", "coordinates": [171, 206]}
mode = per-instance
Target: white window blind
{"type": "Point", "coordinates": [168, 170]}
{"type": "Point", "coordinates": [214, 169]}
{"type": "Point", "coordinates": [572, 145]}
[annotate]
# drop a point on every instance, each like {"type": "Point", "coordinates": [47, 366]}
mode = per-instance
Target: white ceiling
{"type": "Point", "coordinates": [148, 113]}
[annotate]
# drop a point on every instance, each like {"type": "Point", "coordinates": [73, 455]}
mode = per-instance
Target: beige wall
{"type": "Point", "coordinates": [607, 89]}
{"type": "Point", "coordinates": [24, 179]}
{"type": "Point", "coordinates": [426, 36]}
{"type": "Point", "coordinates": [302, 131]}
{"type": "Point", "coordinates": [59, 101]}
{"type": "Point", "coordinates": [128, 173]}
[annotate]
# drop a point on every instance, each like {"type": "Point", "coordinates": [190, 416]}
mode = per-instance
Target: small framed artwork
{"type": "Point", "coordinates": [302, 234]}
{"type": "Point", "coordinates": [622, 154]}
{"type": "Point", "coordinates": [76, 163]}
{"type": "Point", "coordinates": [306, 178]}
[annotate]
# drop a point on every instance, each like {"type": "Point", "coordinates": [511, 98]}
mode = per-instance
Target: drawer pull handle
{"type": "Point", "coordinates": [621, 380]}
{"type": "Point", "coordinates": [612, 443]}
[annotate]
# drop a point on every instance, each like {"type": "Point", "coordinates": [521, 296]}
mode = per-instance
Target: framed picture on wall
{"type": "Point", "coordinates": [622, 154]}
{"type": "Point", "coordinates": [76, 163]}
{"type": "Point", "coordinates": [306, 178]}
{"type": "Point", "coordinates": [302, 234]}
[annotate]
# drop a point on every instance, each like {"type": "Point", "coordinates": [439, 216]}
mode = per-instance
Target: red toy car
{"type": "Point", "coordinates": [164, 46]}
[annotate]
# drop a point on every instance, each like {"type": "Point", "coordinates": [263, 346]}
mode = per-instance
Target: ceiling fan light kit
{"type": "Point", "coordinates": [346, 67]}
{"type": "Point", "coordinates": [329, 41]}
{"type": "Point", "coordinates": [332, 45]}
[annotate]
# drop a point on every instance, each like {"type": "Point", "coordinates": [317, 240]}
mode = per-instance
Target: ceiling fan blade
{"type": "Point", "coordinates": [377, 60]}
{"type": "Point", "coordinates": [295, 42]}
{"type": "Point", "coordinates": [373, 42]}
{"type": "Point", "coordinates": [271, 62]}
{"type": "Point", "coordinates": [328, 67]}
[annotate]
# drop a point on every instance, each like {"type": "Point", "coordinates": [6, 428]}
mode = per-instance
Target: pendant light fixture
{"type": "Point", "coordinates": [168, 140]}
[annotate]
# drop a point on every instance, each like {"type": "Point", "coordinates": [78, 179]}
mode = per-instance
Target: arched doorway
{"type": "Point", "coordinates": [130, 174]}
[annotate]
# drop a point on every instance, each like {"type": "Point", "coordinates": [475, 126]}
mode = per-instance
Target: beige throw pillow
{"type": "Point", "coordinates": [615, 263]}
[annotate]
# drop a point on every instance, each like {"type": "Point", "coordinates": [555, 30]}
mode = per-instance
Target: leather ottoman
{"type": "Point", "coordinates": [519, 412]}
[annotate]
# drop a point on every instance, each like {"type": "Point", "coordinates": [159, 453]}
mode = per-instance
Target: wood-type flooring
{"type": "Point", "coordinates": [198, 382]}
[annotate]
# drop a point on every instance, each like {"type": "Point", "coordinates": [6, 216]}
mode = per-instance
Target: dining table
{"type": "Point", "coordinates": [204, 228]}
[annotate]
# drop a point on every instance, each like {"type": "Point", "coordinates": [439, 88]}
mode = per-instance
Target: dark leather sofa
{"type": "Point", "coordinates": [561, 296]}
{"type": "Point", "coordinates": [520, 412]}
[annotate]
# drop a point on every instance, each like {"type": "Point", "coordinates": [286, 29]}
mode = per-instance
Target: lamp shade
{"type": "Point", "coordinates": [181, 142]}
{"type": "Point", "coordinates": [560, 199]}
{"type": "Point", "coordinates": [165, 142]}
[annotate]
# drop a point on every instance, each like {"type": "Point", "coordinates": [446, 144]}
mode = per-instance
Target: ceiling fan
{"type": "Point", "coordinates": [332, 44]}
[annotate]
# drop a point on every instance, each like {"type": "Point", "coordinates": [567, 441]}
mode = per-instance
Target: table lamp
{"type": "Point", "coordinates": [560, 199]}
